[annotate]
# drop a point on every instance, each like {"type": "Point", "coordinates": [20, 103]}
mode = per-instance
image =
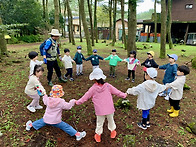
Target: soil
{"type": "Point", "coordinates": [164, 131]}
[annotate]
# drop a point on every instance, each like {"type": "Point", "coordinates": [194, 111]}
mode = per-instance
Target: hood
{"type": "Point", "coordinates": [100, 88]}
{"type": "Point", "coordinates": [150, 85]}
{"type": "Point", "coordinates": [53, 102]}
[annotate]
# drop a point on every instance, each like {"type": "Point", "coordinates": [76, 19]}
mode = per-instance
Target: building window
{"type": "Point", "coordinates": [188, 6]}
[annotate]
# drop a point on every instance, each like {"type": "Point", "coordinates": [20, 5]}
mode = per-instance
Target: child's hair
{"type": "Point", "coordinates": [134, 53]}
{"type": "Point", "coordinates": [32, 54]}
{"type": "Point", "coordinates": [100, 81]}
{"type": "Point", "coordinates": [114, 50]}
{"type": "Point", "coordinates": [184, 69]}
{"type": "Point", "coordinates": [38, 68]}
{"type": "Point", "coordinates": [66, 50]}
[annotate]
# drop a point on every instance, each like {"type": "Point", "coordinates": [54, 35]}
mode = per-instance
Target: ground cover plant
{"type": "Point", "coordinates": [164, 131]}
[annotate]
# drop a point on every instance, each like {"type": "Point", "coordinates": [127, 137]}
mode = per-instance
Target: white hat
{"type": "Point", "coordinates": [97, 74]}
{"type": "Point", "coordinates": [55, 32]}
{"type": "Point", "coordinates": [152, 72]}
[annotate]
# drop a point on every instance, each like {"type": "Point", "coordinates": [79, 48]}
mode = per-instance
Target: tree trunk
{"type": "Point", "coordinates": [169, 23]}
{"type": "Point", "coordinates": [91, 22]}
{"type": "Point", "coordinates": [114, 23]}
{"type": "Point", "coordinates": [3, 45]}
{"type": "Point", "coordinates": [47, 17]}
{"type": "Point", "coordinates": [131, 45]}
{"type": "Point", "coordinates": [88, 42]}
{"type": "Point", "coordinates": [95, 22]}
{"type": "Point", "coordinates": [70, 23]}
{"type": "Point", "coordinates": [110, 17]}
{"type": "Point", "coordinates": [163, 29]}
{"type": "Point", "coordinates": [80, 23]}
{"type": "Point", "coordinates": [186, 34]}
{"type": "Point", "coordinates": [155, 21]}
{"type": "Point", "coordinates": [64, 14]}
{"type": "Point", "coordinates": [44, 9]}
{"type": "Point", "coordinates": [56, 14]}
{"type": "Point", "coordinates": [123, 25]}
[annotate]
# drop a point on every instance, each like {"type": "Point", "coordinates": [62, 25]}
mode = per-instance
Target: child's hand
{"type": "Point", "coordinates": [125, 94]}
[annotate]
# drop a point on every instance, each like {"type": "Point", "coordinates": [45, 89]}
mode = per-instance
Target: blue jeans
{"type": "Point", "coordinates": [145, 113]}
{"type": "Point", "coordinates": [62, 125]}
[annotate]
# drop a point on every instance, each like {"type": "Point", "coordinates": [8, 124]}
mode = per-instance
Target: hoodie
{"type": "Point", "coordinates": [54, 108]}
{"type": "Point", "coordinates": [147, 93]}
{"type": "Point", "coordinates": [102, 98]}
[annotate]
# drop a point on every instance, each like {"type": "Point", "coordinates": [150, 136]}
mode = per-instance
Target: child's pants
{"type": "Point", "coordinates": [79, 68]}
{"type": "Point", "coordinates": [95, 66]}
{"type": "Point", "coordinates": [35, 101]}
{"type": "Point", "coordinates": [62, 125]}
{"type": "Point", "coordinates": [112, 70]}
{"type": "Point", "coordinates": [133, 74]}
{"type": "Point", "coordinates": [146, 114]}
{"type": "Point", "coordinates": [174, 103]}
{"type": "Point", "coordinates": [101, 120]}
{"type": "Point", "coordinates": [69, 72]}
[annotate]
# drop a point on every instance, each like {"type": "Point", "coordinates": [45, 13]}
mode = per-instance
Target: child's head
{"type": "Point", "coordinates": [133, 54]}
{"type": "Point", "coordinates": [66, 51]}
{"type": "Point", "coordinates": [33, 55]}
{"type": "Point", "coordinates": [114, 52]}
{"type": "Point", "coordinates": [183, 70]}
{"type": "Point", "coordinates": [150, 73]}
{"type": "Point", "coordinates": [38, 70]}
{"type": "Point", "coordinates": [150, 54]}
{"type": "Point", "coordinates": [98, 76]}
{"type": "Point", "coordinates": [57, 91]}
{"type": "Point", "coordinates": [172, 58]}
{"type": "Point", "coordinates": [79, 49]}
{"type": "Point", "coordinates": [94, 52]}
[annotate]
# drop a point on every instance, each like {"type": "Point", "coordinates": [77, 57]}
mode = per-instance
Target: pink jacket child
{"type": "Point", "coordinates": [101, 94]}
{"type": "Point", "coordinates": [53, 114]}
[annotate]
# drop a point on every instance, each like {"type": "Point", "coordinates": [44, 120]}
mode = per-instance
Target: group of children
{"type": "Point", "coordinates": [101, 92]}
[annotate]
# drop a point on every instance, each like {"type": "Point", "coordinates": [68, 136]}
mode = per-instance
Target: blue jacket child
{"type": "Point", "coordinates": [170, 73]}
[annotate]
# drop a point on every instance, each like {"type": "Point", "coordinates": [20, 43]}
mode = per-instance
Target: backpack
{"type": "Point", "coordinates": [41, 47]}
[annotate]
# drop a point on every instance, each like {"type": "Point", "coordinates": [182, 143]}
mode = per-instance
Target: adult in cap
{"type": "Point", "coordinates": [51, 51]}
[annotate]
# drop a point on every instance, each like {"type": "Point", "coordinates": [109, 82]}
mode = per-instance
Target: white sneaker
{"type": "Point", "coordinates": [38, 107]}
{"type": "Point", "coordinates": [28, 127]}
{"type": "Point", "coordinates": [31, 108]}
{"type": "Point", "coordinates": [162, 94]}
{"type": "Point", "coordinates": [167, 97]}
{"type": "Point", "coordinates": [82, 135]}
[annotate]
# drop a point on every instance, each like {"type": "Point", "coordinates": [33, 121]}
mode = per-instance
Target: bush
{"type": "Point", "coordinates": [31, 38]}
{"type": "Point", "coordinates": [122, 104]}
{"type": "Point", "coordinates": [13, 40]}
{"type": "Point", "coordinates": [194, 63]}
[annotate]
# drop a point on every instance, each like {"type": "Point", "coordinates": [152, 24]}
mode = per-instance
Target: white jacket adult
{"type": "Point", "coordinates": [67, 60]}
{"type": "Point", "coordinates": [177, 88]}
{"type": "Point", "coordinates": [147, 93]}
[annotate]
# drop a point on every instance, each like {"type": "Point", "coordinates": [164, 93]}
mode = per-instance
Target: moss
{"type": "Point", "coordinates": [186, 87]}
{"type": "Point", "coordinates": [194, 62]}
{"type": "Point", "coordinates": [129, 141]}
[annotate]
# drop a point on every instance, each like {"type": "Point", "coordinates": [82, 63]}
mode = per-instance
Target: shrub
{"type": "Point", "coordinates": [13, 40]}
{"type": "Point", "coordinates": [194, 62]}
{"type": "Point", "coordinates": [31, 38]}
{"type": "Point", "coordinates": [122, 104]}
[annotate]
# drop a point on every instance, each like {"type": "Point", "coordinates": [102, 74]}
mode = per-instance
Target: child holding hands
{"type": "Point", "coordinates": [101, 94]}
{"type": "Point", "coordinates": [52, 116]}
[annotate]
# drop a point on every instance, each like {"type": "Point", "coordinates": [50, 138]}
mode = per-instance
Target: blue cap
{"type": "Point", "coordinates": [174, 56]}
{"type": "Point", "coordinates": [94, 51]}
{"type": "Point", "coordinates": [79, 47]}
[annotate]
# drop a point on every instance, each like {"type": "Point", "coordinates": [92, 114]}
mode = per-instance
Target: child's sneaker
{"type": "Point", "coordinates": [97, 138]}
{"type": "Point", "coordinates": [82, 135]}
{"type": "Point", "coordinates": [142, 126]}
{"type": "Point", "coordinates": [28, 125]}
{"type": "Point", "coordinates": [113, 134]}
{"type": "Point", "coordinates": [162, 94]}
{"type": "Point", "coordinates": [71, 79]}
{"type": "Point", "coordinates": [133, 81]}
{"type": "Point", "coordinates": [81, 73]}
{"type": "Point", "coordinates": [148, 125]}
{"type": "Point", "coordinates": [77, 74]}
{"type": "Point", "coordinates": [113, 76]}
{"type": "Point", "coordinates": [31, 108]}
{"type": "Point", "coordinates": [50, 83]}
{"type": "Point", "coordinates": [127, 78]}
{"type": "Point", "coordinates": [65, 77]}
{"type": "Point", "coordinates": [167, 97]}
{"type": "Point", "coordinates": [38, 107]}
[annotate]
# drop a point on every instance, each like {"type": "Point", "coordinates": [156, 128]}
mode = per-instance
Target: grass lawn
{"type": "Point", "coordinates": [164, 131]}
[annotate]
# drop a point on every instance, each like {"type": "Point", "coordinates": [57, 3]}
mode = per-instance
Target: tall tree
{"type": "Point", "coordinates": [3, 46]}
{"type": "Point", "coordinates": [114, 23]}
{"type": "Point", "coordinates": [123, 24]}
{"type": "Point", "coordinates": [80, 23]}
{"type": "Point", "coordinates": [110, 17]}
{"type": "Point", "coordinates": [46, 16]}
{"type": "Point", "coordinates": [83, 14]}
{"type": "Point", "coordinates": [169, 23]}
{"type": "Point", "coordinates": [70, 22]}
{"type": "Point", "coordinates": [155, 21]}
{"type": "Point", "coordinates": [91, 22]}
{"type": "Point", "coordinates": [95, 22]}
{"type": "Point", "coordinates": [56, 14]}
{"type": "Point", "coordinates": [64, 14]}
{"type": "Point", "coordinates": [163, 29]}
{"type": "Point", "coordinates": [131, 45]}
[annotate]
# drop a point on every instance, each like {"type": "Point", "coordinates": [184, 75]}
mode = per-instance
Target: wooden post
{"type": "Point", "coordinates": [186, 34]}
